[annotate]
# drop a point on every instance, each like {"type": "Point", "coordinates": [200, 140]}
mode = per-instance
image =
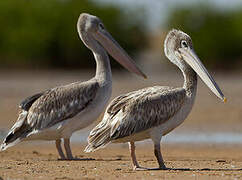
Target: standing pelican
{"type": "Point", "coordinates": [154, 111]}
{"type": "Point", "coordinates": [47, 115]}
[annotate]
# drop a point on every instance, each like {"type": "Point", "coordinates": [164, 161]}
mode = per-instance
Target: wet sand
{"type": "Point", "coordinates": [189, 161]}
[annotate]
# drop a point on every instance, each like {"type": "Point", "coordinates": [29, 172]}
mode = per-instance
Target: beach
{"type": "Point", "coordinates": [208, 145]}
{"type": "Point", "coordinates": [185, 161]}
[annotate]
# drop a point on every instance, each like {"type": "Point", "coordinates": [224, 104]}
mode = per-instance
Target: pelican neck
{"type": "Point", "coordinates": [103, 68]}
{"type": "Point", "coordinates": [190, 81]}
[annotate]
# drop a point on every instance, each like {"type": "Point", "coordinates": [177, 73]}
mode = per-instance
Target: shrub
{"type": "Point", "coordinates": [43, 32]}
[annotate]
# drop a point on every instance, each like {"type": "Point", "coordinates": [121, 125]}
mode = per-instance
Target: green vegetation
{"type": "Point", "coordinates": [36, 33]}
{"type": "Point", "coordinates": [216, 34]}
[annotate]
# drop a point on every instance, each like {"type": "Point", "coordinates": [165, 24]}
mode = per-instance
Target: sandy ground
{"type": "Point", "coordinates": [186, 162]}
{"type": "Point", "coordinates": [207, 161]}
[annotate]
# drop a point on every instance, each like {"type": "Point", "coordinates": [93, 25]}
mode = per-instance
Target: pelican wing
{"type": "Point", "coordinates": [141, 110]}
{"type": "Point", "coordinates": [61, 103]}
{"type": "Point", "coordinates": [27, 103]}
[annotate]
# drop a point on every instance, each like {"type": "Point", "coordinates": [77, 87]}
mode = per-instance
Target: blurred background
{"type": "Point", "coordinates": [42, 34]}
{"type": "Point", "coordinates": [40, 49]}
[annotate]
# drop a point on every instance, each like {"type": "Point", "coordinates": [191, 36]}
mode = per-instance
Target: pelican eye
{"type": "Point", "coordinates": [101, 26]}
{"type": "Point", "coordinates": [184, 44]}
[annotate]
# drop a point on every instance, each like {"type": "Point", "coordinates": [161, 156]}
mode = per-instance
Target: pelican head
{"type": "Point", "coordinates": [94, 35]}
{"type": "Point", "coordinates": [179, 50]}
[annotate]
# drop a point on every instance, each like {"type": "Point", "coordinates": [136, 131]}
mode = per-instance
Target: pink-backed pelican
{"type": "Point", "coordinates": [48, 115]}
{"type": "Point", "coordinates": [153, 112]}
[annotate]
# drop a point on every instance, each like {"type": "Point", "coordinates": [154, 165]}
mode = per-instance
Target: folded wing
{"type": "Point", "coordinates": [143, 110]}
{"type": "Point", "coordinates": [136, 112]}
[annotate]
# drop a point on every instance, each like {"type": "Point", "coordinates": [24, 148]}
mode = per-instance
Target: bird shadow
{"type": "Point", "coordinates": [191, 169]}
{"type": "Point", "coordinates": [78, 159]}
{"type": "Point", "coordinates": [107, 160]}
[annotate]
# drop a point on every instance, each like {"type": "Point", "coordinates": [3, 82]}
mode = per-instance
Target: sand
{"type": "Point", "coordinates": [187, 161]}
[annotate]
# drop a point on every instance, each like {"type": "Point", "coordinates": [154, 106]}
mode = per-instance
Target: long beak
{"type": "Point", "coordinates": [117, 52]}
{"type": "Point", "coordinates": [192, 59]}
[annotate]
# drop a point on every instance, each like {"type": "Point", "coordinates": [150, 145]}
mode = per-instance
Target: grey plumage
{"type": "Point", "coordinates": [47, 115]}
{"type": "Point", "coordinates": [61, 103]}
{"type": "Point", "coordinates": [27, 103]}
{"type": "Point", "coordinates": [137, 111]}
{"type": "Point", "coordinates": [51, 107]}
{"type": "Point", "coordinates": [149, 108]}
{"type": "Point", "coordinates": [155, 111]}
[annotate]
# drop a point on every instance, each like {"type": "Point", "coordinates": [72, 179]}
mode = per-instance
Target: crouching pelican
{"type": "Point", "coordinates": [47, 115]}
{"type": "Point", "coordinates": [154, 111]}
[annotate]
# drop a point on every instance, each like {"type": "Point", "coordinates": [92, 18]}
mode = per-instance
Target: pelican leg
{"type": "Point", "coordinates": [159, 156]}
{"type": "Point", "coordinates": [133, 156]}
{"type": "Point", "coordinates": [68, 149]}
{"type": "Point", "coordinates": [59, 149]}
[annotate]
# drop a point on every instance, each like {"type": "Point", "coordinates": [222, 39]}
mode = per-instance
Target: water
{"type": "Point", "coordinates": [174, 137]}
{"type": "Point", "coordinates": [187, 137]}
{"type": "Point", "coordinates": [205, 138]}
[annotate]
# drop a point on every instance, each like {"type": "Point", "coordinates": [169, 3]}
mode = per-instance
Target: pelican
{"type": "Point", "coordinates": [153, 112]}
{"type": "Point", "coordinates": [47, 115]}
